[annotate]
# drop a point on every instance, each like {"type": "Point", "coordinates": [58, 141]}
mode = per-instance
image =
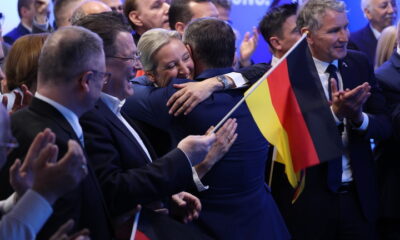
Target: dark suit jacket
{"type": "Point", "coordinates": [364, 40]}
{"type": "Point", "coordinates": [16, 33]}
{"type": "Point", "coordinates": [308, 211]}
{"type": "Point", "coordinates": [238, 204]}
{"type": "Point", "coordinates": [126, 176]}
{"type": "Point", "coordinates": [85, 204]}
{"type": "Point", "coordinates": [387, 151]}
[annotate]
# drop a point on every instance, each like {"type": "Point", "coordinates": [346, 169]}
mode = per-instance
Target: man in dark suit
{"type": "Point", "coordinates": [70, 78]}
{"type": "Point", "coordinates": [380, 14]}
{"type": "Point", "coordinates": [238, 205]}
{"type": "Point", "coordinates": [128, 170]}
{"type": "Point", "coordinates": [340, 198]}
{"type": "Point", "coordinates": [387, 151]}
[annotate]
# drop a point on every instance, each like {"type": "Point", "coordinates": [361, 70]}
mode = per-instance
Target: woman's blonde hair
{"type": "Point", "coordinates": [386, 45]}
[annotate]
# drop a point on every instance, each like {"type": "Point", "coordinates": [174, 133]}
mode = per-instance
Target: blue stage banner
{"type": "Point", "coordinates": [247, 13]}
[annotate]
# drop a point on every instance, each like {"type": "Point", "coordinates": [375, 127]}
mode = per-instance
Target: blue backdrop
{"type": "Point", "coordinates": [247, 13]}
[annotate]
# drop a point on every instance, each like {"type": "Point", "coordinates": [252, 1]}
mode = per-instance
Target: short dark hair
{"type": "Point", "coordinates": [225, 4]}
{"type": "Point", "coordinates": [129, 6]}
{"type": "Point", "coordinates": [272, 22]}
{"type": "Point", "coordinates": [179, 11]}
{"type": "Point", "coordinates": [107, 25]}
{"type": "Point", "coordinates": [23, 3]}
{"type": "Point", "coordinates": [212, 42]}
{"type": "Point", "coordinates": [68, 52]}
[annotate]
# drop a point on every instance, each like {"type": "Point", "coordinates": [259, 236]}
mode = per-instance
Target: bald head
{"type": "Point", "coordinates": [87, 8]}
{"type": "Point", "coordinates": [68, 52]}
{"type": "Point", "coordinates": [63, 10]}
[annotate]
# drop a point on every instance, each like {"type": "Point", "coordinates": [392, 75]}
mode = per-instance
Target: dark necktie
{"type": "Point", "coordinates": [334, 166]}
{"type": "Point", "coordinates": [332, 74]}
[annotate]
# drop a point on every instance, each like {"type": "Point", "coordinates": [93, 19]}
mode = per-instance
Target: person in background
{"type": "Point", "coordinates": [388, 166]}
{"type": "Point", "coordinates": [386, 46]}
{"type": "Point", "coordinates": [146, 14]}
{"type": "Point", "coordinates": [115, 5]}
{"type": "Point", "coordinates": [380, 14]}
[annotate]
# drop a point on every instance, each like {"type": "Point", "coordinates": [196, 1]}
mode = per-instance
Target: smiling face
{"type": "Point", "coordinates": [329, 42]}
{"type": "Point", "coordinates": [172, 61]}
{"type": "Point", "coordinates": [381, 13]}
{"type": "Point", "coordinates": [121, 67]}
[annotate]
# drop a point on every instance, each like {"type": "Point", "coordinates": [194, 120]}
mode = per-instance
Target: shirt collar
{"type": "Point", "coordinates": [274, 60]}
{"type": "Point", "coordinates": [26, 27]}
{"type": "Point", "coordinates": [322, 66]}
{"type": "Point", "coordinates": [68, 114]}
{"type": "Point", "coordinates": [376, 33]}
{"type": "Point", "coordinates": [398, 50]}
{"type": "Point", "coordinates": [113, 103]}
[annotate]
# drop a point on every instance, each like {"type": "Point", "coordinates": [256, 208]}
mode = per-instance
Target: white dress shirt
{"type": "Point", "coordinates": [115, 105]}
{"type": "Point", "coordinates": [321, 66]}
{"type": "Point", "coordinates": [376, 33]}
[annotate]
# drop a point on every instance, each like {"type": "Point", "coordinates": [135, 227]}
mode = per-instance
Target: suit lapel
{"type": "Point", "coordinates": [116, 122]}
{"type": "Point", "coordinates": [45, 109]}
{"type": "Point", "coordinates": [145, 140]}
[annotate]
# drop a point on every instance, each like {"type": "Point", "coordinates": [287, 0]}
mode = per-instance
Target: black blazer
{"type": "Point", "coordinates": [316, 198]}
{"type": "Point", "coordinates": [387, 152]}
{"type": "Point", "coordinates": [364, 40]}
{"type": "Point", "coordinates": [123, 169]}
{"type": "Point", "coordinates": [85, 204]}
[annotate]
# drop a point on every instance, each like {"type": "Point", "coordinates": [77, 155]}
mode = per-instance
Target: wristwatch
{"type": "Point", "coordinates": [224, 80]}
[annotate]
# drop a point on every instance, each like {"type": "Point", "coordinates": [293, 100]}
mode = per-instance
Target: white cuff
{"type": "Point", "coordinates": [199, 185]}
{"type": "Point", "coordinates": [32, 210]}
{"type": "Point", "coordinates": [364, 124]}
{"type": "Point", "coordinates": [8, 204]}
{"type": "Point", "coordinates": [237, 78]}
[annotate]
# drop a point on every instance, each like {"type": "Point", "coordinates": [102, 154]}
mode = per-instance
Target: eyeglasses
{"type": "Point", "coordinates": [133, 59]}
{"type": "Point", "coordinates": [13, 143]}
{"type": "Point", "coordinates": [106, 76]}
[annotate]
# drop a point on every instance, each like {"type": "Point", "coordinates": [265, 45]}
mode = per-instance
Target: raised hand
{"type": "Point", "coordinates": [349, 103]}
{"type": "Point", "coordinates": [196, 147]}
{"type": "Point", "coordinates": [226, 136]}
{"type": "Point", "coordinates": [21, 177]}
{"type": "Point", "coordinates": [53, 179]}
{"type": "Point", "coordinates": [247, 47]}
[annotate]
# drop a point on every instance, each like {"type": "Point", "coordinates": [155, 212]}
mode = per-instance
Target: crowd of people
{"type": "Point", "coordinates": [108, 119]}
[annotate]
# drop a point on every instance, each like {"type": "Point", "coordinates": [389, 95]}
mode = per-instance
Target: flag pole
{"type": "Point", "coordinates": [271, 171]}
{"type": "Point", "coordinates": [258, 83]}
{"type": "Point", "coordinates": [135, 225]}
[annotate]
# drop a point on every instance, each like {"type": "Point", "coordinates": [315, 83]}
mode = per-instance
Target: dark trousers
{"type": "Point", "coordinates": [343, 220]}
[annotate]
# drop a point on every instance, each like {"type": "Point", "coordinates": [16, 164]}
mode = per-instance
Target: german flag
{"type": "Point", "coordinates": [293, 114]}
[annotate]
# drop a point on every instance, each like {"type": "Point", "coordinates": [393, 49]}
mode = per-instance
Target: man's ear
{"type": "Point", "coordinates": [85, 79]}
{"type": "Point", "coordinates": [305, 30]}
{"type": "Point", "coordinates": [367, 13]}
{"type": "Point", "coordinates": [275, 43]}
{"type": "Point", "coordinates": [180, 27]}
{"type": "Point", "coordinates": [135, 18]}
{"type": "Point", "coordinates": [150, 76]}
